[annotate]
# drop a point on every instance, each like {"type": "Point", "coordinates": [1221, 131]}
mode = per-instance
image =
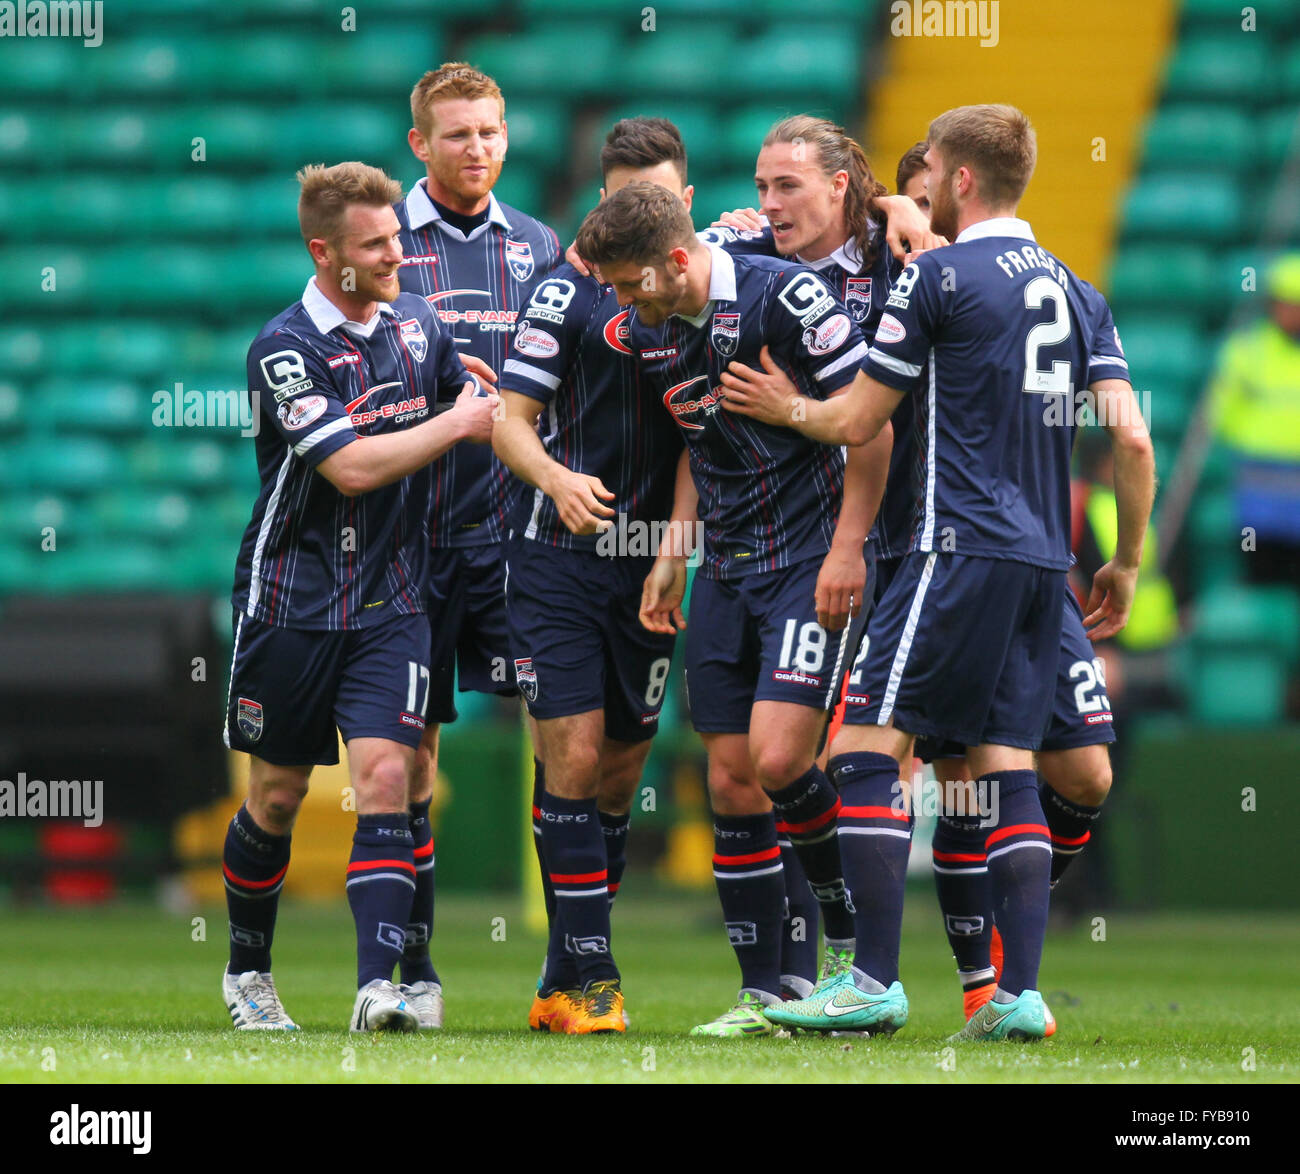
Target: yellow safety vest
{"type": "Point", "coordinates": [1153, 622]}
{"type": "Point", "coordinates": [1256, 398]}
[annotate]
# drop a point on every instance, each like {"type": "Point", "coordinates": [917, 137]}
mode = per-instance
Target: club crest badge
{"type": "Point", "coordinates": [248, 717]}
{"type": "Point", "coordinates": [857, 297]}
{"type": "Point", "coordinates": [725, 335]}
{"type": "Point", "coordinates": [519, 256]}
{"type": "Point", "coordinates": [526, 678]}
{"type": "Point", "coordinates": [413, 337]}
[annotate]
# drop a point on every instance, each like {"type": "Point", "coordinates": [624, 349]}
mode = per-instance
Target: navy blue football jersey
{"type": "Point", "coordinates": [863, 289]}
{"type": "Point", "coordinates": [311, 557]}
{"type": "Point", "coordinates": [769, 497]}
{"type": "Point", "coordinates": [996, 339]}
{"type": "Point", "coordinates": [571, 352]}
{"type": "Point", "coordinates": [476, 285]}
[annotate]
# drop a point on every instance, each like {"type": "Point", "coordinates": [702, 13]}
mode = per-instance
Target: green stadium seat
{"type": "Point", "coordinates": [24, 348]}
{"type": "Point", "coordinates": [108, 137]}
{"type": "Point", "coordinates": [233, 137]}
{"type": "Point", "coordinates": [862, 12]}
{"type": "Point", "coordinates": [99, 404]}
{"type": "Point", "coordinates": [153, 66]}
{"type": "Point", "coordinates": [629, 18]}
{"type": "Point", "coordinates": [1158, 277]}
{"type": "Point", "coordinates": [136, 277]}
{"type": "Point", "coordinates": [1224, 16]}
{"type": "Point", "coordinates": [259, 64]}
{"type": "Point", "coordinates": [816, 68]}
{"type": "Point", "coordinates": [1231, 687]}
{"type": "Point", "coordinates": [133, 513]}
{"type": "Point", "coordinates": [524, 187]}
{"type": "Point", "coordinates": [328, 133]}
{"type": "Point", "coordinates": [13, 411]}
{"type": "Point", "coordinates": [1241, 274]}
{"type": "Point", "coordinates": [1214, 546]}
{"type": "Point", "coordinates": [722, 193]}
{"type": "Point", "coordinates": [205, 204]}
{"type": "Point", "coordinates": [743, 133]}
{"type": "Point", "coordinates": [1233, 68]}
{"type": "Point", "coordinates": [367, 61]}
{"type": "Point", "coordinates": [1290, 80]}
{"type": "Point", "coordinates": [1281, 135]}
{"type": "Point", "coordinates": [41, 66]}
{"type": "Point", "coordinates": [1162, 207]}
{"type": "Point", "coordinates": [25, 141]}
{"type": "Point", "coordinates": [71, 464]}
{"type": "Point", "coordinates": [129, 347]}
{"type": "Point", "coordinates": [666, 64]}
{"type": "Point", "coordinates": [537, 131]}
{"type": "Point", "coordinates": [18, 569]}
{"type": "Point", "coordinates": [270, 206]}
{"type": "Point", "coordinates": [103, 566]}
{"type": "Point", "coordinates": [1200, 137]}
{"type": "Point", "coordinates": [525, 64]}
{"type": "Point", "coordinates": [91, 206]}
{"type": "Point", "coordinates": [27, 269]}
{"type": "Point", "coordinates": [1168, 349]}
{"type": "Point", "coordinates": [178, 461]}
{"type": "Point", "coordinates": [1266, 618]}
{"type": "Point", "coordinates": [25, 517]}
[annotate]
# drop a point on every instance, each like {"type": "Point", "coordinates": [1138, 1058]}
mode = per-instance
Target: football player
{"type": "Point", "coordinates": [965, 643]}
{"type": "Point", "coordinates": [330, 624]}
{"type": "Point", "coordinates": [782, 573]}
{"type": "Point", "coordinates": [476, 261]}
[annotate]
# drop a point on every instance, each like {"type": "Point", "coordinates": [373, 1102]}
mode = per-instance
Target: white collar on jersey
{"type": "Point", "coordinates": [847, 257]}
{"type": "Point", "coordinates": [722, 285]}
{"type": "Point", "coordinates": [421, 210]}
{"type": "Point", "coordinates": [997, 226]}
{"type": "Point", "coordinates": [326, 316]}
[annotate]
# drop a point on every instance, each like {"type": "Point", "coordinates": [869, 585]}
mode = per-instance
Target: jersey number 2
{"type": "Point", "coordinates": [1057, 380]}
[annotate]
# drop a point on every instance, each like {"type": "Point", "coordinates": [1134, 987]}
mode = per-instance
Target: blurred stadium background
{"type": "Point", "coordinates": [148, 230]}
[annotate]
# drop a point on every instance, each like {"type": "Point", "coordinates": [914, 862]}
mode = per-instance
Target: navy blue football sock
{"type": "Point", "coordinates": [253, 863]}
{"type": "Point", "coordinates": [574, 847]}
{"type": "Point", "coordinates": [416, 964]}
{"type": "Point", "coordinates": [806, 811]}
{"type": "Point", "coordinates": [961, 879]}
{"type": "Point", "coordinates": [1070, 826]}
{"type": "Point", "coordinates": [559, 972]}
{"type": "Point", "coordinates": [875, 839]}
{"type": "Point", "coordinates": [381, 884]}
{"type": "Point", "coordinates": [614, 828]}
{"type": "Point", "coordinates": [799, 930]}
{"type": "Point", "coordinates": [751, 889]}
{"type": "Point", "coordinates": [1019, 854]}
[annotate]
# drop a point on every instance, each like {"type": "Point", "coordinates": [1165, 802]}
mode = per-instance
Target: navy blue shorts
{"type": "Point", "coordinates": [576, 641]}
{"type": "Point", "coordinates": [965, 649]}
{"type": "Point", "coordinates": [757, 639]}
{"type": "Point", "coordinates": [1080, 709]}
{"type": "Point", "coordinates": [291, 689]}
{"type": "Point", "coordinates": [467, 618]}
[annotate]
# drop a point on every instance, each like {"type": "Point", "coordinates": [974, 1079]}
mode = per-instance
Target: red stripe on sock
{"type": "Point", "coordinates": [872, 813]}
{"type": "Point", "coordinates": [811, 825]}
{"type": "Point", "coordinates": [960, 857]}
{"type": "Point", "coordinates": [748, 857]}
{"type": "Point", "coordinates": [250, 884]}
{"type": "Point", "coordinates": [579, 878]}
{"type": "Point", "coordinates": [365, 865]}
{"type": "Point", "coordinates": [1016, 829]}
{"type": "Point", "coordinates": [427, 850]}
{"type": "Point", "coordinates": [1083, 839]}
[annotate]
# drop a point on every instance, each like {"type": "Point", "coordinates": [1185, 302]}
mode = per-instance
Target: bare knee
{"type": "Point", "coordinates": [274, 800]}
{"type": "Point", "coordinates": [1082, 776]}
{"type": "Point", "coordinates": [383, 784]}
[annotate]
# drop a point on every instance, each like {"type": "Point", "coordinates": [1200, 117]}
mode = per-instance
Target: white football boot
{"type": "Point", "coordinates": [253, 1003]}
{"type": "Point", "coordinates": [380, 1006]}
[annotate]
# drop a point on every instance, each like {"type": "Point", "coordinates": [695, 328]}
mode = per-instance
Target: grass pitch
{"type": "Point", "coordinates": [128, 995]}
